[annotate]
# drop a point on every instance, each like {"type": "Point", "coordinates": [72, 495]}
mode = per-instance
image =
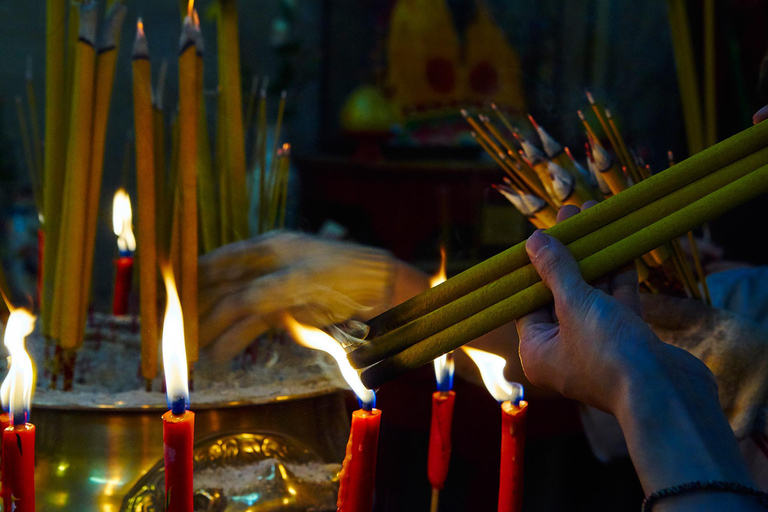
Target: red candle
{"type": "Point", "coordinates": [5, 421]}
{"type": "Point", "coordinates": [178, 423]}
{"type": "Point", "coordinates": [178, 440]}
{"type": "Point", "coordinates": [512, 449]}
{"type": "Point", "coordinates": [19, 468]}
{"type": "Point", "coordinates": [440, 438]}
{"type": "Point", "coordinates": [356, 480]}
{"type": "Point", "coordinates": [123, 277]}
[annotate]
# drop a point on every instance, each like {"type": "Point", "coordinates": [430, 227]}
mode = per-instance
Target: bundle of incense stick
{"type": "Point", "coordinates": [602, 238]}
{"type": "Point", "coordinates": [538, 182]}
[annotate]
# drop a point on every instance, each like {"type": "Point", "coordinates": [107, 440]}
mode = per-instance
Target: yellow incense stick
{"type": "Point", "coordinates": [209, 222]}
{"type": "Point", "coordinates": [231, 90]}
{"type": "Point", "coordinates": [592, 267]}
{"type": "Point", "coordinates": [734, 149]}
{"type": "Point", "coordinates": [225, 224]}
{"type": "Point", "coordinates": [285, 179]}
{"type": "Point", "coordinates": [699, 268]}
{"type": "Point", "coordinates": [145, 184]}
{"type": "Point", "coordinates": [55, 147]}
{"type": "Point", "coordinates": [189, 100]}
{"type": "Point", "coordinates": [106, 59]}
{"type": "Point", "coordinates": [158, 129]}
{"type": "Point", "coordinates": [71, 249]}
{"type": "Point", "coordinates": [261, 156]}
{"type": "Point", "coordinates": [633, 168]}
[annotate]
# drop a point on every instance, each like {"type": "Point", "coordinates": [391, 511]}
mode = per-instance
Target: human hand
{"type": "Point", "coordinates": [760, 115]}
{"type": "Point", "coordinates": [246, 287]}
{"type": "Point", "coordinates": [593, 346]}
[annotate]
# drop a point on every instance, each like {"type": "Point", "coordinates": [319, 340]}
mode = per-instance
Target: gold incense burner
{"type": "Point", "coordinates": [109, 459]}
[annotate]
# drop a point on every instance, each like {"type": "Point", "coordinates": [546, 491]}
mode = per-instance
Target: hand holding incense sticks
{"type": "Point", "coordinates": [740, 183]}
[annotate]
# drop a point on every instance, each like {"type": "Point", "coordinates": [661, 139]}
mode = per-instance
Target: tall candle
{"type": "Point", "coordinates": [179, 422]}
{"type": "Point", "coordinates": [512, 449]}
{"type": "Point", "coordinates": [122, 225]}
{"type": "Point", "coordinates": [18, 443]}
{"type": "Point", "coordinates": [439, 456]}
{"type": "Point", "coordinates": [513, 413]}
{"type": "Point", "coordinates": [358, 471]}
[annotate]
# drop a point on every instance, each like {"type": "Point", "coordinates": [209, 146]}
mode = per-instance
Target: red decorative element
{"type": "Point", "coordinates": [19, 468]}
{"type": "Point", "coordinates": [440, 438]}
{"type": "Point", "coordinates": [40, 254]}
{"type": "Point", "coordinates": [5, 422]}
{"type": "Point", "coordinates": [123, 276]}
{"type": "Point", "coordinates": [356, 480]}
{"type": "Point", "coordinates": [178, 439]}
{"type": "Point", "coordinates": [512, 450]}
{"type": "Point", "coordinates": [441, 75]}
{"type": "Point", "coordinates": [483, 78]}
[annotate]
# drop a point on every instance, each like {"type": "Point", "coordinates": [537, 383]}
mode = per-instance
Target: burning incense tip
{"type": "Point", "coordinates": [464, 113]}
{"type": "Point", "coordinates": [283, 94]}
{"type": "Point", "coordinates": [493, 106]}
{"type": "Point", "coordinates": [29, 68]}
{"type": "Point", "coordinates": [533, 121]}
{"type": "Point", "coordinates": [139, 28]}
{"type": "Point", "coordinates": [190, 7]}
{"type": "Point", "coordinates": [608, 114]}
{"type": "Point", "coordinates": [196, 19]}
{"type": "Point", "coordinates": [590, 98]}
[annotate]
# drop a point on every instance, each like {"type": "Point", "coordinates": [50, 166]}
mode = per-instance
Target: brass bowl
{"type": "Point", "coordinates": [90, 458]}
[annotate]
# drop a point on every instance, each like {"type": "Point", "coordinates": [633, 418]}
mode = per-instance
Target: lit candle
{"type": "Point", "coordinates": [439, 457]}
{"type": "Point", "coordinates": [179, 422]}
{"type": "Point", "coordinates": [122, 225]}
{"type": "Point", "coordinates": [356, 480]}
{"type": "Point", "coordinates": [513, 411]}
{"type": "Point", "coordinates": [18, 464]}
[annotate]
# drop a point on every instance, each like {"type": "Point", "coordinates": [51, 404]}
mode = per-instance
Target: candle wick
{"type": "Point", "coordinates": [19, 418]}
{"type": "Point", "coordinates": [178, 405]}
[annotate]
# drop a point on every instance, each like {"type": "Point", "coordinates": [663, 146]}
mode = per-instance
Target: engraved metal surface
{"type": "Point", "coordinates": [273, 487]}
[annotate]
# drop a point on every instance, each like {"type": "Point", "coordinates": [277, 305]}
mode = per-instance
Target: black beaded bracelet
{"type": "Point", "coordinates": [706, 485]}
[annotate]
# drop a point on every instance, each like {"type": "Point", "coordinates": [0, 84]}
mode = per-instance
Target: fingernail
{"type": "Point", "coordinates": [536, 244]}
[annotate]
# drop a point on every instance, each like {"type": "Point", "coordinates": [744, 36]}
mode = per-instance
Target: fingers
{"type": "Point", "coordinates": [556, 266]}
{"type": "Point", "coordinates": [236, 339]}
{"type": "Point", "coordinates": [760, 115]}
{"type": "Point", "coordinates": [540, 316]}
{"type": "Point", "coordinates": [566, 212]}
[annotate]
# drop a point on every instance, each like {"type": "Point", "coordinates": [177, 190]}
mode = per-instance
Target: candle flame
{"type": "Point", "coordinates": [491, 369]}
{"type": "Point", "coordinates": [190, 7]}
{"type": "Point", "coordinates": [122, 221]}
{"type": "Point", "coordinates": [139, 28]}
{"type": "Point", "coordinates": [174, 349]}
{"type": "Point", "coordinates": [18, 386]}
{"type": "Point", "coordinates": [444, 366]}
{"type": "Point", "coordinates": [314, 338]}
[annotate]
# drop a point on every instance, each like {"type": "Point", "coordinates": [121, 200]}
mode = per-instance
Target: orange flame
{"type": "Point", "coordinates": [174, 349]}
{"type": "Point", "coordinates": [491, 369]}
{"type": "Point", "coordinates": [444, 365]}
{"type": "Point", "coordinates": [122, 221]}
{"type": "Point", "coordinates": [441, 276]}
{"type": "Point", "coordinates": [140, 28]}
{"type": "Point", "coordinates": [190, 7]}
{"type": "Point", "coordinates": [314, 338]}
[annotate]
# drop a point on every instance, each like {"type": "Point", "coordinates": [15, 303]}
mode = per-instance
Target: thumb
{"type": "Point", "coordinates": [555, 266]}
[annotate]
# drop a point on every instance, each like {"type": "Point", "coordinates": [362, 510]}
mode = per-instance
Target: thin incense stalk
{"type": "Point", "coordinates": [158, 129]}
{"type": "Point", "coordinates": [699, 267]}
{"type": "Point", "coordinates": [28, 158]}
{"type": "Point", "coordinates": [225, 225]}
{"type": "Point", "coordinates": [501, 161]}
{"type": "Point", "coordinates": [607, 130]}
{"type": "Point", "coordinates": [274, 186]}
{"type": "Point", "coordinates": [55, 147]}
{"type": "Point", "coordinates": [145, 185]}
{"type": "Point", "coordinates": [592, 267]}
{"type": "Point", "coordinates": [232, 92]}
{"type": "Point", "coordinates": [71, 250]}
{"type": "Point", "coordinates": [633, 168]}
{"type": "Point", "coordinates": [106, 59]}
{"type": "Point", "coordinates": [710, 84]}
{"type": "Point", "coordinates": [250, 109]}
{"type": "Point", "coordinates": [261, 156]}
{"type": "Point", "coordinates": [587, 127]}
{"type": "Point", "coordinates": [685, 64]}
{"type": "Point", "coordinates": [687, 274]}
{"type": "Point", "coordinates": [285, 172]}
{"type": "Point", "coordinates": [34, 124]}
{"type": "Point", "coordinates": [726, 152]}
{"type": "Point", "coordinates": [525, 275]}
{"type": "Point", "coordinates": [503, 119]}
{"type": "Point", "coordinates": [207, 194]}
{"type": "Point", "coordinates": [188, 112]}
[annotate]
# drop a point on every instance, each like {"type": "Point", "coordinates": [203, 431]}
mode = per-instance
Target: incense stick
{"type": "Point", "coordinates": [145, 184]}
{"type": "Point", "coordinates": [28, 158]}
{"type": "Point", "coordinates": [724, 153]}
{"type": "Point", "coordinates": [471, 303]}
{"type": "Point", "coordinates": [592, 267]}
{"type": "Point", "coordinates": [35, 140]}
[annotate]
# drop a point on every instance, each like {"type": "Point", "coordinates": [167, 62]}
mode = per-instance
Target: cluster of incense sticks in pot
{"type": "Point", "coordinates": [193, 195]}
{"type": "Point", "coordinates": [539, 181]}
